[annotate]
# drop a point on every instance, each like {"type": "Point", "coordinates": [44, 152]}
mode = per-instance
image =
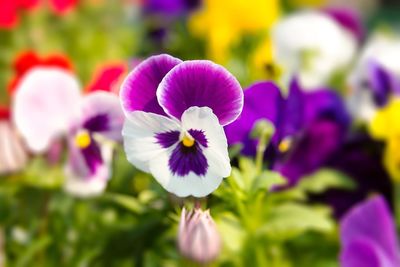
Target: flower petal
{"type": "Point", "coordinates": [46, 103]}
{"type": "Point", "coordinates": [8, 14]}
{"type": "Point", "coordinates": [372, 220]}
{"type": "Point", "coordinates": [314, 148]}
{"type": "Point", "coordinates": [62, 6]}
{"type": "Point", "coordinates": [204, 84]}
{"type": "Point", "coordinates": [13, 156]}
{"type": "Point", "coordinates": [141, 141]}
{"type": "Point", "coordinates": [261, 101]}
{"type": "Point", "coordinates": [83, 179]}
{"type": "Point", "coordinates": [138, 91]}
{"type": "Point", "coordinates": [364, 253]}
{"type": "Point", "coordinates": [102, 114]}
{"type": "Point", "coordinates": [216, 155]}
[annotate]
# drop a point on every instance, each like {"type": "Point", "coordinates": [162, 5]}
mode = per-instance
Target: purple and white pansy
{"type": "Point", "coordinates": [175, 113]}
{"type": "Point", "coordinates": [48, 106]}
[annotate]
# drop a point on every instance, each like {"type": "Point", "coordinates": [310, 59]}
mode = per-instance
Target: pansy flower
{"type": "Point", "coordinates": [368, 236]}
{"type": "Point", "coordinates": [174, 116]}
{"type": "Point", "coordinates": [13, 155]}
{"type": "Point", "coordinates": [48, 105]}
{"type": "Point", "coordinates": [376, 77]}
{"type": "Point", "coordinates": [312, 45]}
{"type": "Point", "coordinates": [9, 9]}
{"type": "Point", "coordinates": [309, 126]}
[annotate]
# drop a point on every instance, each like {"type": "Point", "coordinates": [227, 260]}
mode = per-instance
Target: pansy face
{"type": "Point", "coordinates": [186, 151]}
{"type": "Point", "coordinates": [89, 144]}
{"type": "Point", "coordinates": [48, 106]}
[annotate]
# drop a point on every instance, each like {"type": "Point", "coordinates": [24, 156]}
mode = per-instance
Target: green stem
{"type": "Point", "coordinates": [396, 200]}
{"type": "Point", "coordinates": [261, 147]}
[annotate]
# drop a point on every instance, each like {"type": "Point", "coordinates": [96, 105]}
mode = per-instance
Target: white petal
{"type": "Point", "coordinates": [46, 103]}
{"type": "Point", "coordinates": [13, 156]}
{"type": "Point", "coordinates": [139, 133]}
{"type": "Point", "coordinates": [100, 102]}
{"type": "Point", "coordinates": [204, 119]}
{"type": "Point", "coordinates": [91, 186]}
{"type": "Point", "coordinates": [332, 47]}
{"type": "Point", "coordinates": [189, 185]}
{"type": "Point", "coordinates": [216, 154]}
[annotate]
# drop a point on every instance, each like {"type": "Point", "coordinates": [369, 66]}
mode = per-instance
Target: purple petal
{"type": "Point", "coordinates": [310, 151]}
{"type": "Point", "coordinates": [102, 114]}
{"type": "Point", "coordinates": [363, 253]}
{"type": "Point", "coordinates": [199, 136]}
{"type": "Point", "coordinates": [349, 19]}
{"type": "Point", "coordinates": [138, 92]}
{"type": "Point", "coordinates": [293, 118]}
{"type": "Point", "coordinates": [380, 82]}
{"type": "Point", "coordinates": [170, 7]}
{"type": "Point", "coordinates": [326, 104]}
{"type": "Point", "coordinates": [372, 220]}
{"type": "Point", "coordinates": [84, 162]}
{"type": "Point", "coordinates": [204, 84]}
{"type": "Point", "coordinates": [261, 101]}
{"type": "Point", "coordinates": [184, 159]}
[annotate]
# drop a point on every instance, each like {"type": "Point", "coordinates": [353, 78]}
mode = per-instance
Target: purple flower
{"type": "Point", "coordinates": [309, 126]}
{"type": "Point", "coordinates": [198, 238]}
{"type": "Point", "coordinates": [174, 116]}
{"type": "Point", "coordinates": [48, 106]}
{"type": "Point", "coordinates": [368, 236]}
{"type": "Point", "coordinates": [170, 7]}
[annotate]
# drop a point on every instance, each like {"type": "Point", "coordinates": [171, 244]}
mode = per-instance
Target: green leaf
{"type": "Point", "coordinates": [291, 219]}
{"type": "Point", "coordinates": [267, 180]}
{"type": "Point", "coordinates": [325, 179]}
{"type": "Point", "coordinates": [126, 201]}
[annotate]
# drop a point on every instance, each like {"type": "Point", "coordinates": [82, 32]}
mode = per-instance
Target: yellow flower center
{"type": "Point", "coordinates": [187, 140]}
{"type": "Point", "coordinates": [285, 145]}
{"type": "Point", "coordinates": [82, 139]}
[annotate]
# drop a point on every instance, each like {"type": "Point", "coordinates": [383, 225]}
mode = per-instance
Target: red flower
{"type": "Point", "coordinates": [9, 9]}
{"type": "Point", "coordinates": [29, 59]}
{"type": "Point", "coordinates": [107, 78]}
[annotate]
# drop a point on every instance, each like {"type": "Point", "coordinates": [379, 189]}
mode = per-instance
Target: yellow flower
{"type": "Point", "coordinates": [223, 22]}
{"type": "Point", "coordinates": [385, 126]}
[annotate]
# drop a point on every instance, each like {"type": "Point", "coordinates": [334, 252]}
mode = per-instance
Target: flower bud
{"type": "Point", "coordinates": [198, 237]}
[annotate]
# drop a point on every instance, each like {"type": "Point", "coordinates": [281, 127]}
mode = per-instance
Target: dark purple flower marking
{"type": "Point", "coordinates": [167, 139]}
{"type": "Point", "coordinates": [92, 156]}
{"type": "Point", "coordinates": [98, 123]}
{"type": "Point", "coordinates": [185, 159]}
{"type": "Point", "coordinates": [199, 136]}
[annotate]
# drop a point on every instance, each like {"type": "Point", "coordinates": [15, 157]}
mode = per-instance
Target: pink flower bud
{"type": "Point", "coordinates": [198, 237]}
